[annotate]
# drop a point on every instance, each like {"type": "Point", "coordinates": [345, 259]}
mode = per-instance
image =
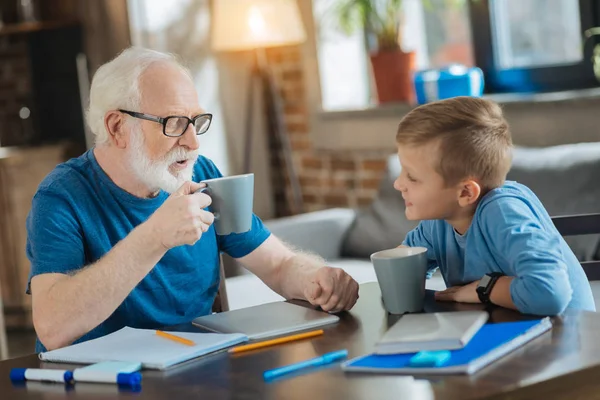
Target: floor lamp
{"type": "Point", "coordinates": [242, 25]}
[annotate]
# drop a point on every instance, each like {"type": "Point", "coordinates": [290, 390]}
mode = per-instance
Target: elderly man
{"type": "Point", "coordinates": [119, 237]}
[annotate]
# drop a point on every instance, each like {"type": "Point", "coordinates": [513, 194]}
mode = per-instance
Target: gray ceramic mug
{"type": "Point", "coordinates": [401, 275]}
{"type": "Point", "coordinates": [232, 200]}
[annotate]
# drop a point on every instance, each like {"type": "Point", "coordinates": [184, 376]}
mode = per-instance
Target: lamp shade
{"type": "Point", "coordinates": [251, 24]}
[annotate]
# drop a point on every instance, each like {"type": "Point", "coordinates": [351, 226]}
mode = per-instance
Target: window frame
{"type": "Point", "coordinates": [535, 79]}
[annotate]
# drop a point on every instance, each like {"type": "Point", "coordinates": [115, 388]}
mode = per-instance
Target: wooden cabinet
{"type": "Point", "coordinates": [21, 171]}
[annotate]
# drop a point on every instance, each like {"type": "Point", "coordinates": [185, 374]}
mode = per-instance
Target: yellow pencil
{"type": "Point", "coordinates": [273, 342]}
{"type": "Point", "coordinates": [175, 338]}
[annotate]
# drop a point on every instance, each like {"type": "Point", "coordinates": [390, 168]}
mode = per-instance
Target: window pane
{"type": "Point", "coordinates": [447, 32]}
{"type": "Point", "coordinates": [535, 33]}
{"type": "Point", "coordinates": [438, 32]}
{"type": "Point", "coordinates": [342, 62]}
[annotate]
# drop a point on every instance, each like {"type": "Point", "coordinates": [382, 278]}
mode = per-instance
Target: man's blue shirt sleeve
{"type": "Point", "coordinates": [54, 238]}
{"type": "Point", "coordinates": [533, 255]}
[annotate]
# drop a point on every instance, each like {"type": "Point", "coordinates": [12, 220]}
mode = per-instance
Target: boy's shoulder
{"type": "Point", "coordinates": [510, 198]}
{"type": "Point", "coordinates": [508, 189]}
{"type": "Point", "coordinates": [433, 227]}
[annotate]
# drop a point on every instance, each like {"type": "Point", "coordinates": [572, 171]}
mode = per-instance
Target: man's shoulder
{"type": "Point", "coordinates": [67, 176]}
{"type": "Point", "coordinates": [205, 168]}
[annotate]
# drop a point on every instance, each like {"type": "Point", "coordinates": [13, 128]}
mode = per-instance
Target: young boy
{"type": "Point", "coordinates": [492, 239]}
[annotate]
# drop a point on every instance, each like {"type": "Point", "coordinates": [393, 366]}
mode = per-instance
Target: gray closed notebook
{"type": "Point", "coordinates": [266, 320]}
{"type": "Point", "coordinates": [430, 332]}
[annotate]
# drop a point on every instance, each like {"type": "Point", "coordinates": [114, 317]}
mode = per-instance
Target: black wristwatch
{"type": "Point", "coordinates": [486, 284]}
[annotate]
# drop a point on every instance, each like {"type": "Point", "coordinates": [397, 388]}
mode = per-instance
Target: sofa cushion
{"type": "Point", "coordinates": [565, 178]}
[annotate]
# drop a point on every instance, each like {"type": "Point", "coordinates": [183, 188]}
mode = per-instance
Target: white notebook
{"type": "Point", "coordinates": [435, 331]}
{"type": "Point", "coordinates": [143, 345]}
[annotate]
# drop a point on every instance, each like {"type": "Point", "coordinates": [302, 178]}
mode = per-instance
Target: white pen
{"type": "Point", "coordinates": [119, 372]}
{"type": "Point", "coordinates": [43, 375]}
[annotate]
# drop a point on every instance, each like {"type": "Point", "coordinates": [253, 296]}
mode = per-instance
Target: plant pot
{"type": "Point", "coordinates": [393, 71]}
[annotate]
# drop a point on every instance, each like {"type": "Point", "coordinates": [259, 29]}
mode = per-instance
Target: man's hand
{"type": "Point", "coordinates": [332, 289]}
{"type": "Point", "coordinates": [460, 294]}
{"type": "Point", "coordinates": [182, 218]}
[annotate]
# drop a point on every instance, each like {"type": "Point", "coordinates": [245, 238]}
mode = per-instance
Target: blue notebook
{"type": "Point", "coordinates": [490, 343]}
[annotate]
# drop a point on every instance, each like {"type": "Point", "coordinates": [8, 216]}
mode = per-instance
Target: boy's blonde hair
{"type": "Point", "coordinates": [472, 136]}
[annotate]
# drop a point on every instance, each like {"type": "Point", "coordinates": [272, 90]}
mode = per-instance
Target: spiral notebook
{"type": "Point", "coordinates": [143, 345]}
{"type": "Point", "coordinates": [489, 344]}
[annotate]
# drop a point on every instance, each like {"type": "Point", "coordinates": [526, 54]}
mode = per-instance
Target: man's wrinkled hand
{"type": "Point", "coordinates": [182, 219]}
{"type": "Point", "coordinates": [332, 289]}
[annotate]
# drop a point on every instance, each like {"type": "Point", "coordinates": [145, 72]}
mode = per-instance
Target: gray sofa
{"type": "Point", "coordinates": [565, 178]}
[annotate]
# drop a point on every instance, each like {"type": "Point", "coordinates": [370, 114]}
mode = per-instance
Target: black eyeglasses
{"type": "Point", "coordinates": [176, 125]}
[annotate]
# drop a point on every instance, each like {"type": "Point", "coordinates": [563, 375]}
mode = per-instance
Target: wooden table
{"type": "Point", "coordinates": [562, 363]}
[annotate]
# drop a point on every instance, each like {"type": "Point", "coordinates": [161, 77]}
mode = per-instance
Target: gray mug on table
{"type": "Point", "coordinates": [232, 199]}
{"type": "Point", "coordinates": [401, 276]}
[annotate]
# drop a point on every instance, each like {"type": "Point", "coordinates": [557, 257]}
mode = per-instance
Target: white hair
{"type": "Point", "coordinates": [116, 85]}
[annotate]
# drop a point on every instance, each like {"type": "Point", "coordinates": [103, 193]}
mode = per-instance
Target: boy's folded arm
{"type": "Point", "coordinates": [501, 293]}
{"type": "Point", "coordinates": [421, 237]}
{"type": "Point", "coordinates": [541, 282]}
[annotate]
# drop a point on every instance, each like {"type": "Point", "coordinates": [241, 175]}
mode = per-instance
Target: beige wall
{"type": "Point", "coordinates": [234, 73]}
{"type": "Point", "coordinates": [536, 124]}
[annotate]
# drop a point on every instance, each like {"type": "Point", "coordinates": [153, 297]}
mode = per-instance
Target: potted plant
{"type": "Point", "coordinates": [380, 20]}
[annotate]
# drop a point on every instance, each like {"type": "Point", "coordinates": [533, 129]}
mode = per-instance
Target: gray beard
{"type": "Point", "coordinates": [156, 174]}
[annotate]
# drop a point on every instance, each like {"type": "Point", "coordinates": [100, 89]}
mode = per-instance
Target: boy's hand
{"type": "Point", "coordinates": [460, 294]}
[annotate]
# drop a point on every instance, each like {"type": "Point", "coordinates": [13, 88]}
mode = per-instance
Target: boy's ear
{"type": "Point", "coordinates": [469, 192]}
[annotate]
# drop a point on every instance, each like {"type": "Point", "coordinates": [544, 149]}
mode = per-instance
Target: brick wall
{"type": "Point", "coordinates": [328, 179]}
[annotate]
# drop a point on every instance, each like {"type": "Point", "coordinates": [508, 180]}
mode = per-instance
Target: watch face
{"type": "Point", "coordinates": [484, 281]}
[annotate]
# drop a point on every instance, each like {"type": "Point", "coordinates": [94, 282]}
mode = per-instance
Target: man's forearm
{"type": "Point", "coordinates": [284, 269]}
{"type": "Point", "coordinates": [76, 304]}
{"type": "Point", "coordinates": [299, 269]}
{"type": "Point", "coordinates": [298, 275]}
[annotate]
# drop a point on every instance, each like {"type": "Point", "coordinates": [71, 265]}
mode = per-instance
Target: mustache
{"type": "Point", "coordinates": [180, 153]}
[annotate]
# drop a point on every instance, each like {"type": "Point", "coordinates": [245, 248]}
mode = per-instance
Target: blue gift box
{"type": "Point", "coordinates": [454, 80]}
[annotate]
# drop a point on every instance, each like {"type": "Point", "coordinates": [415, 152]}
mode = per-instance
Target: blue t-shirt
{"type": "Point", "coordinates": [511, 233]}
{"type": "Point", "coordinates": [78, 214]}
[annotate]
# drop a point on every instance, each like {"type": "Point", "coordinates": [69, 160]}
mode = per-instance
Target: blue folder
{"type": "Point", "coordinates": [490, 343]}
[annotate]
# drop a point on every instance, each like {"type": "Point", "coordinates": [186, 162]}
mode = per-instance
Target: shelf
{"type": "Point", "coordinates": [29, 27]}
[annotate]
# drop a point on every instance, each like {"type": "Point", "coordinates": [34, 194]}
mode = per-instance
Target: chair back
{"type": "Point", "coordinates": [583, 224]}
{"type": "Point", "coordinates": [221, 302]}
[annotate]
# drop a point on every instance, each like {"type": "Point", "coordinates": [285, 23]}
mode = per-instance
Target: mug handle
{"type": "Point", "coordinates": [207, 189]}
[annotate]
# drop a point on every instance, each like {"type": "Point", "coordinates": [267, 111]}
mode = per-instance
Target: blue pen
{"type": "Point", "coordinates": [313, 362]}
{"type": "Point", "coordinates": [43, 375]}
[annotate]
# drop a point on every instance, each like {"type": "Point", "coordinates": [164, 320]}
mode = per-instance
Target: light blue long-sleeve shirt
{"type": "Point", "coordinates": [511, 233]}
